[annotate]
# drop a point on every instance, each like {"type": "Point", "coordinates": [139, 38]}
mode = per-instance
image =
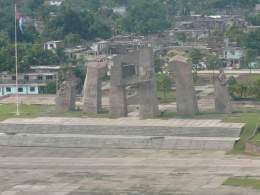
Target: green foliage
{"type": "Point", "coordinates": [244, 90]}
{"type": "Point", "coordinates": [235, 34]}
{"type": "Point", "coordinates": [251, 42]}
{"type": "Point", "coordinates": [253, 19]}
{"type": "Point", "coordinates": [196, 57]}
{"type": "Point", "coordinates": [181, 37]}
{"type": "Point", "coordinates": [213, 62]}
{"type": "Point", "coordinates": [51, 88]}
{"type": "Point", "coordinates": [145, 17]}
{"type": "Point", "coordinates": [72, 40]}
{"type": "Point", "coordinates": [84, 23]}
{"type": "Point", "coordinates": [245, 182]}
{"type": "Point", "coordinates": [28, 54]}
{"type": "Point", "coordinates": [158, 64]}
{"type": "Point", "coordinates": [164, 83]}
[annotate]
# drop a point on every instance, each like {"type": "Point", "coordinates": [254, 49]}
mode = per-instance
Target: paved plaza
{"type": "Point", "coordinates": [68, 171]}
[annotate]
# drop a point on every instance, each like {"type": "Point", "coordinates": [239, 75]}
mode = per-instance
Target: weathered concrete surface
{"type": "Point", "coordinates": [222, 97]}
{"type": "Point", "coordinates": [66, 97]}
{"type": "Point", "coordinates": [92, 92]}
{"type": "Point", "coordinates": [147, 91]}
{"type": "Point", "coordinates": [68, 171]}
{"type": "Point", "coordinates": [117, 98]}
{"type": "Point", "coordinates": [117, 141]}
{"type": "Point", "coordinates": [135, 68]}
{"type": "Point", "coordinates": [120, 133]}
{"type": "Point", "coordinates": [186, 99]}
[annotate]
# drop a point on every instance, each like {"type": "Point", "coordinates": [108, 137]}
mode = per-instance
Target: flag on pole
{"type": "Point", "coordinates": [19, 17]}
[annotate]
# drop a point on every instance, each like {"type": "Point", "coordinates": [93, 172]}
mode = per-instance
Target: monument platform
{"type": "Point", "coordinates": [125, 133]}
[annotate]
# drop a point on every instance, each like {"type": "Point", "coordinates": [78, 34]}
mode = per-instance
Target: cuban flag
{"type": "Point", "coordinates": [19, 17]}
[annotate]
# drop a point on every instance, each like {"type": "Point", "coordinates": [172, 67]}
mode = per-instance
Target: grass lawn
{"type": "Point", "coordinates": [167, 97]}
{"type": "Point", "coordinates": [251, 120]}
{"type": "Point", "coordinates": [256, 139]}
{"type": "Point", "coordinates": [32, 111]}
{"type": "Point", "coordinates": [246, 182]}
{"type": "Point", "coordinates": [27, 111]}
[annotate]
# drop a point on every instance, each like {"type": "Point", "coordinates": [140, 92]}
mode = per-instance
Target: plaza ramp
{"type": "Point", "coordinates": [123, 133]}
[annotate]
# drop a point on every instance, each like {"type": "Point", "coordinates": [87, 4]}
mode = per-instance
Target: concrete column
{"type": "Point", "coordinates": [92, 92]}
{"type": "Point", "coordinates": [147, 90]}
{"type": "Point", "coordinates": [118, 104]}
{"type": "Point", "coordinates": [117, 99]}
{"type": "Point", "coordinates": [66, 97]}
{"type": "Point", "coordinates": [186, 99]}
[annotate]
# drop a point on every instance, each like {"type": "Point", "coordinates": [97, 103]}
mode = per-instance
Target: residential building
{"type": "Point", "coordinates": [52, 45]}
{"type": "Point", "coordinates": [32, 83]}
{"type": "Point", "coordinates": [257, 9]}
{"type": "Point", "coordinates": [54, 2]}
{"type": "Point", "coordinates": [122, 44]}
{"type": "Point", "coordinates": [233, 54]}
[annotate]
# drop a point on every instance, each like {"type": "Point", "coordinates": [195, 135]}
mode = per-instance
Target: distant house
{"type": "Point", "coordinates": [257, 9]}
{"type": "Point", "coordinates": [233, 56]}
{"type": "Point", "coordinates": [52, 45]}
{"type": "Point", "coordinates": [54, 2]}
{"type": "Point", "coordinates": [32, 83]}
{"type": "Point", "coordinates": [119, 10]}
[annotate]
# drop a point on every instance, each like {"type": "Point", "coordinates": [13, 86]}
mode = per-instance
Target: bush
{"type": "Point", "coordinates": [246, 90]}
{"type": "Point", "coordinates": [51, 88]}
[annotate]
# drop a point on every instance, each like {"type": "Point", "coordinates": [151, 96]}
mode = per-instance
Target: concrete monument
{"type": "Point", "coordinates": [92, 92]}
{"type": "Point", "coordinates": [222, 98]}
{"type": "Point", "coordinates": [66, 95]}
{"type": "Point", "coordinates": [133, 69]}
{"type": "Point", "coordinates": [186, 99]}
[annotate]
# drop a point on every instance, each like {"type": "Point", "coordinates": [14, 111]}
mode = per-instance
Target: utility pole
{"type": "Point", "coordinates": [16, 63]}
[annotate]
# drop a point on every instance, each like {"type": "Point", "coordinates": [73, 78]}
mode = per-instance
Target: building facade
{"type": "Point", "coordinates": [28, 83]}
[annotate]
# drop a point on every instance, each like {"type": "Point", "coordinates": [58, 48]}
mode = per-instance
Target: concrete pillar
{"type": "Point", "coordinates": [117, 99]}
{"type": "Point", "coordinates": [186, 99]}
{"type": "Point", "coordinates": [66, 97]}
{"type": "Point", "coordinates": [118, 104]}
{"type": "Point", "coordinates": [92, 92]}
{"type": "Point", "coordinates": [147, 90]}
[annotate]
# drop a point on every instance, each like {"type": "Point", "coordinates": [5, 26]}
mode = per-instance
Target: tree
{"type": "Point", "coordinates": [72, 40]}
{"type": "Point", "coordinates": [145, 17]}
{"type": "Point", "coordinates": [164, 83]}
{"type": "Point", "coordinates": [196, 57]}
{"type": "Point", "coordinates": [213, 62]}
{"type": "Point", "coordinates": [235, 34]}
{"type": "Point", "coordinates": [51, 88]}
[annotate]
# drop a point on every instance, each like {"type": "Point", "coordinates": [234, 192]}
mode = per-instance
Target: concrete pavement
{"type": "Point", "coordinates": [68, 171]}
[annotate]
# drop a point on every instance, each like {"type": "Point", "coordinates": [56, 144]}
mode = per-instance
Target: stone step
{"type": "Point", "coordinates": [217, 131]}
{"type": "Point", "coordinates": [116, 141]}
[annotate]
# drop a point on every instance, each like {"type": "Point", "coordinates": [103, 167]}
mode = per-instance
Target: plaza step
{"type": "Point", "coordinates": [120, 133]}
{"type": "Point", "coordinates": [116, 141]}
{"type": "Point", "coordinates": [121, 130]}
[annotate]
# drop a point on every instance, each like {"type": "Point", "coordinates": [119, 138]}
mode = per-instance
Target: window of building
{"type": "Point", "coordinates": [32, 89]}
{"type": "Point", "coordinates": [13, 78]}
{"type": "Point", "coordinates": [39, 77]}
{"type": "Point", "coordinates": [129, 70]}
{"type": "Point", "coordinates": [20, 89]}
{"type": "Point", "coordinates": [26, 77]}
{"type": "Point", "coordinates": [8, 89]}
{"type": "Point", "coordinates": [49, 77]}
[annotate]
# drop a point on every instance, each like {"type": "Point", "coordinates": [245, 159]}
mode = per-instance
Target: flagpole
{"type": "Point", "coordinates": [16, 64]}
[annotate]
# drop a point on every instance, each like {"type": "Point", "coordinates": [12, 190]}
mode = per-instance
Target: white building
{"type": "Point", "coordinates": [28, 83]}
{"type": "Point", "coordinates": [52, 45]}
{"type": "Point", "coordinates": [54, 2]}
